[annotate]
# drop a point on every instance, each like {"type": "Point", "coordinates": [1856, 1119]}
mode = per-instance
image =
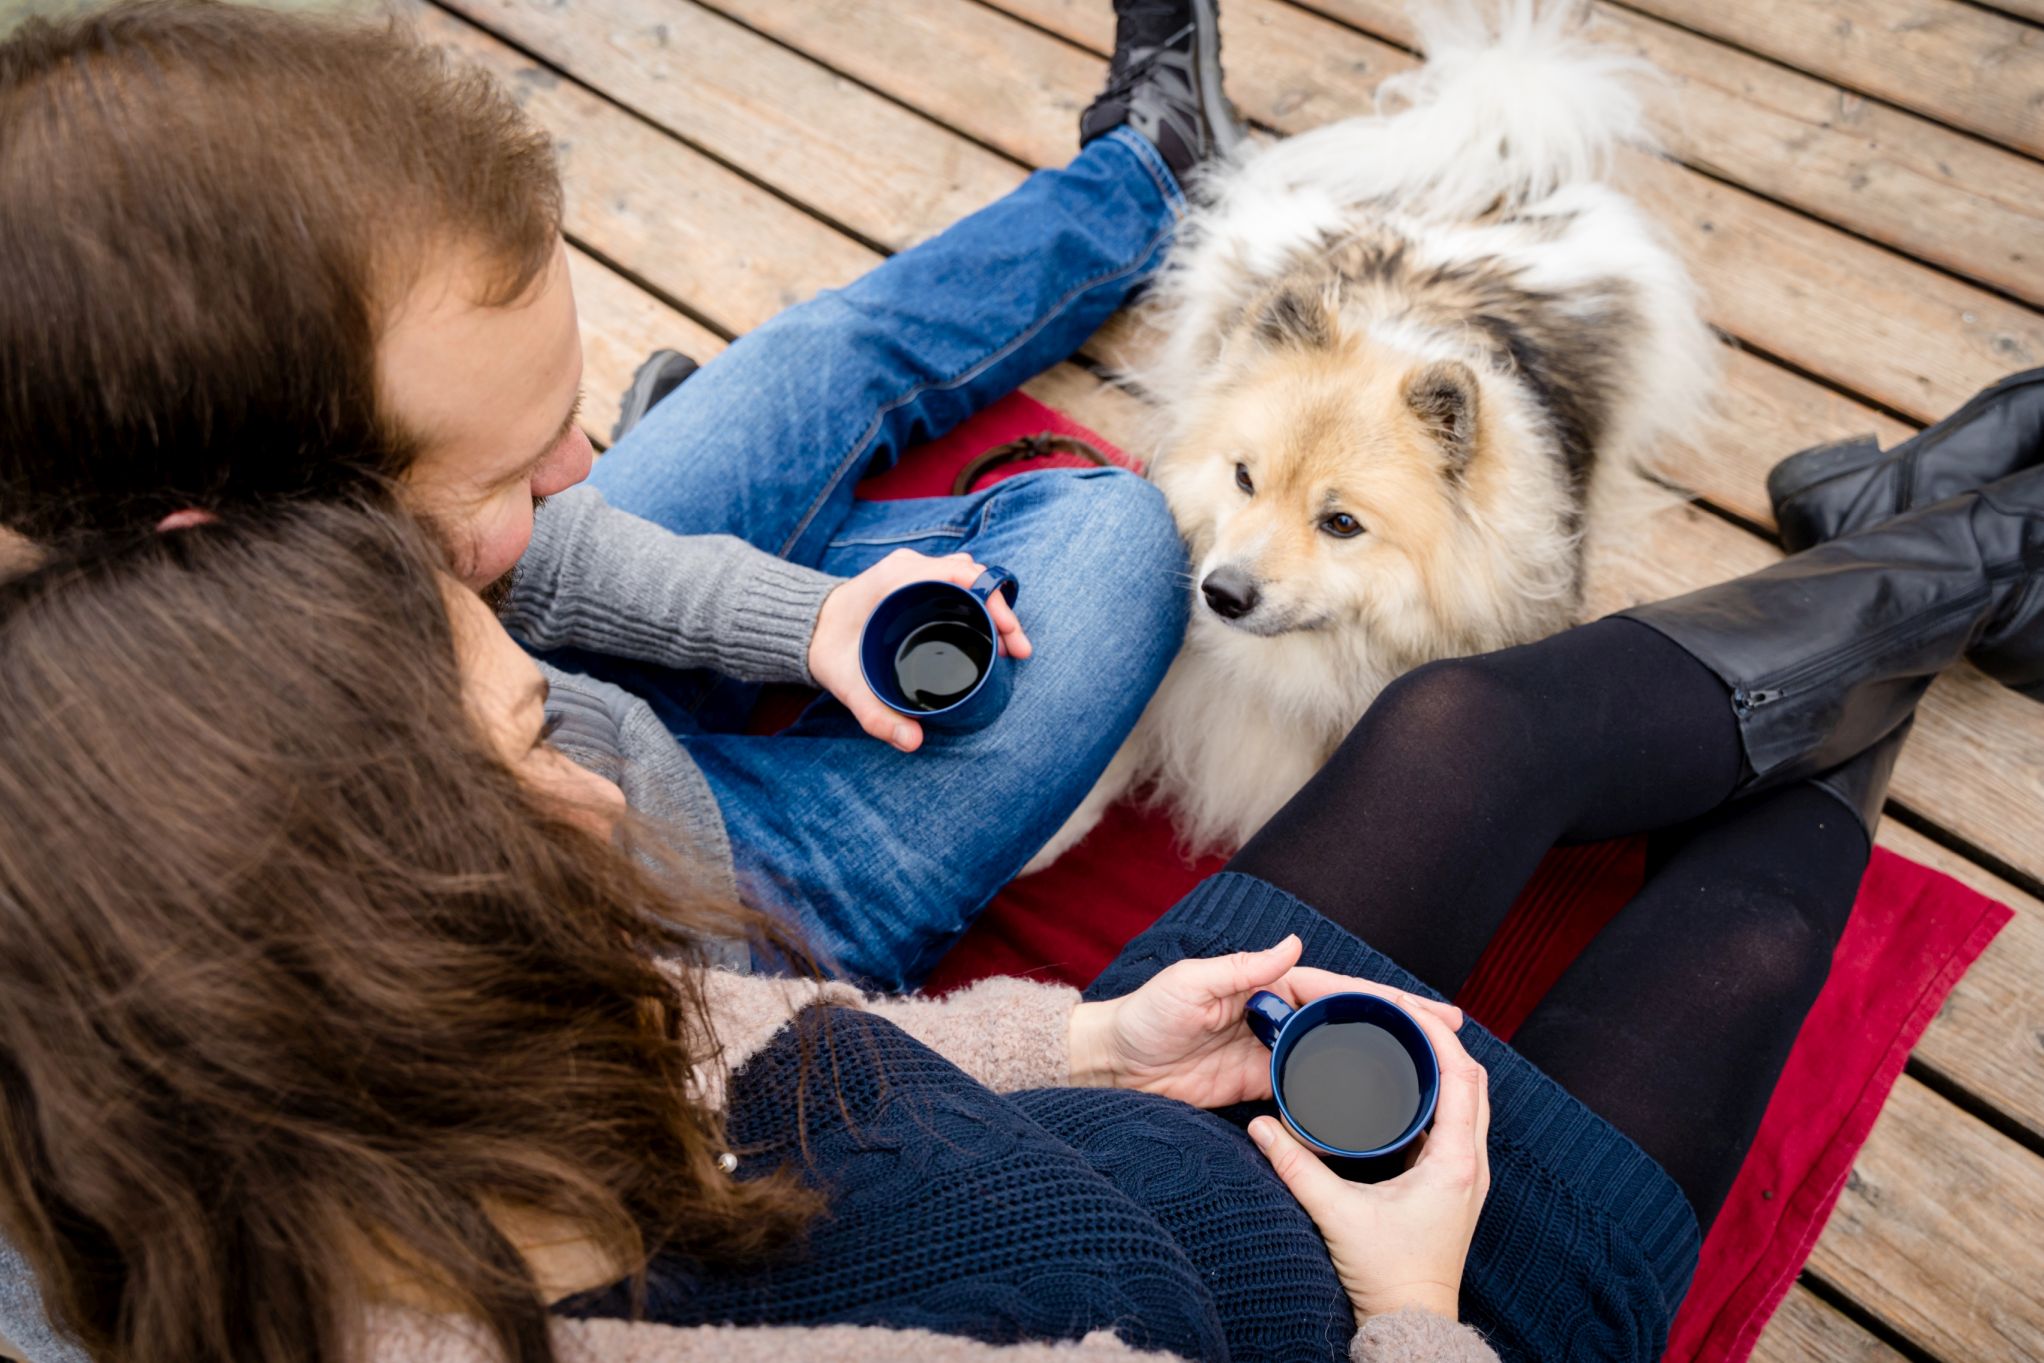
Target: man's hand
{"type": "Point", "coordinates": [834, 649]}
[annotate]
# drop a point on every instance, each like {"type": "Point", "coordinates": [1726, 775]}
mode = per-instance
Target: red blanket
{"type": "Point", "coordinates": [1912, 935]}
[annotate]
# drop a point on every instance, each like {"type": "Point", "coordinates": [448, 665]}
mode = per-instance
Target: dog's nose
{"type": "Point", "coordinates": [1230, 592]}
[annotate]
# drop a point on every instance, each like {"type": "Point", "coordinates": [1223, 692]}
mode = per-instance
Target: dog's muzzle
{"type": "Point", "coordinates": [1230, 593]}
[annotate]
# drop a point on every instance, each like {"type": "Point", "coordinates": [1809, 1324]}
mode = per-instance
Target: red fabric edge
{"type": "Point", "coordinates": [1752, 1304]}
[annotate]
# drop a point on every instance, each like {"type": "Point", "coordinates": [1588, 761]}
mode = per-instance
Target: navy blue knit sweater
{"type": "Point", "coordinates": [1049, 1214]}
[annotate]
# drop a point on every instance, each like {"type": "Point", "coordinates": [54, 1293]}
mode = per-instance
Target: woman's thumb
{"type": "Point", "coordinates": [1311, 1182]}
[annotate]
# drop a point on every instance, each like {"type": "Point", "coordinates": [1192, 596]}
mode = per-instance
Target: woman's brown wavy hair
{"type": "Point", "coordinates": [293, 968]}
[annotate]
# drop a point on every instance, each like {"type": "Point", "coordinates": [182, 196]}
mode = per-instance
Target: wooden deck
{"type": "Point", "coordinates": [1857, 185]}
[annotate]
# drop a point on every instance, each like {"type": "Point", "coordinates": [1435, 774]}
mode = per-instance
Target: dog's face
{"type": "Point", "coordinates": [1323, 475]}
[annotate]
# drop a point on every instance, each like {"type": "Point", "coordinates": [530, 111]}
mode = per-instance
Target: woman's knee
{"type": "Point", "coordinates": [1456, 702]}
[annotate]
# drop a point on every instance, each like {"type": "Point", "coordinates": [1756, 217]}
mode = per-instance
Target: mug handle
{"type": "Point", "coordinates": [1266, 1015]}
{"type": "Point", "coordinates": [996, 579]}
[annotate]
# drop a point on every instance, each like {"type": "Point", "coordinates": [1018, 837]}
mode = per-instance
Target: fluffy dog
{"type": "Point", "coordinates": [1404, 360]}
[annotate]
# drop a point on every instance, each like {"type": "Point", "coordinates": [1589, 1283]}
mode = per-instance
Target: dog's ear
{"type": "Point", "coordinates": [1295, 315]}
{"type": "Point", "coordinates": [1443, 396]}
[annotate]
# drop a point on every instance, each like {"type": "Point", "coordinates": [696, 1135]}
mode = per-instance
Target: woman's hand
{"type": "Point", "coordinates": [1402, 1242]}
{"type": "Point", "coordinates": [1182, 1034]}
{"type": "Point", "coordinates": [834, 648]}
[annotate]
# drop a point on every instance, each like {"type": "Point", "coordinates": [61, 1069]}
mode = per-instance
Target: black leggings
{"type": "Point", "coordinates": [1675, 1022]}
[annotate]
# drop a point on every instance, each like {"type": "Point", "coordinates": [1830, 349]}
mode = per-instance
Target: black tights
{"type": "Point", "coordinates": [1675, 1022]}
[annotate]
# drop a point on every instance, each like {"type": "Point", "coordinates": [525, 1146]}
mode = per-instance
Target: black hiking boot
{"type": "Point", "coordinates": [1165, 82]}
{"type": "Point", "coordinates": [658, 375]}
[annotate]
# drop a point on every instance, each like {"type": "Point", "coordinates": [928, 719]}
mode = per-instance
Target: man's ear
{"type": "Point", "coordinates": [1443, 396]}
{"type": "Point", "coordinates": [1295, 315]}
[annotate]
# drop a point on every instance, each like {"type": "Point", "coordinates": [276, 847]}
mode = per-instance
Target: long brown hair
{"type": "Point", "coordinates": [291, 964]}
{"type": "Point", "coordinates": [207, 212]}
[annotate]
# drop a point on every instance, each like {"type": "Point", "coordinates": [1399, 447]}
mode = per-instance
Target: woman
{"type": "Point", "coordinates": [325, 1010]}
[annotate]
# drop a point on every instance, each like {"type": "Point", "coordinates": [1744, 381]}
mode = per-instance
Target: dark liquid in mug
{"type": "Point", "coordinates": [939, 664]}
{"type": "Point", "coordinates": [1351, 1085]}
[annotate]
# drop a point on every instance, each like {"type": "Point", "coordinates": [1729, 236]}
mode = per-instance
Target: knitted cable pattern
{"type": "Point", "coordinates": [950, 1211]}
{"type": "Point", "coordinates": [1254, 1246]}
{"type": "Point", "coordinates": [1585, 1247]}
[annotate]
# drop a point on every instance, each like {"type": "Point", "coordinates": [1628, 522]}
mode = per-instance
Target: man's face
{"type": "Point", "coordinates": [490, 394]}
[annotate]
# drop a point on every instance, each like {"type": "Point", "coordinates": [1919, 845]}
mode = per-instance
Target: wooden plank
{"type": "Point", "coordinates": [1988, 1039]}
{"type": "Point", "coordinates": [788, 121]}
{"type": "Point", "coordinates": [1937, 1232]}
{"type": "Point", "coordinates": [1806, 1329]}
{"type": "Point", "coordinates": [1957, 63]}
{"type": "Point", "coordinates": [1869, 320]}
{"type": "Point", "coordinates": [1921, 188]}
{"type": "Point", "coordinates": [639, 197]}
{"type": "Point", "coordinates": [621, 325]}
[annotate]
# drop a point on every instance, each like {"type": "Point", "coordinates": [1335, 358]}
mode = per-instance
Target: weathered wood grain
{"type": "Point", "coordinates": [788, 121]}
{"type": "Point", "coordinates": [1807, 1330]}
{"type": "Point", "coordinates": [1936, 194]}
{"type": "Point", "coordinates": [1955, 62]}
{"type": "Point", "coordinates": [1938, 1231]}
{"type": "Point", "coordinates": [1864, 317]}
{"type": "Point", "coordinates": [621, 325]}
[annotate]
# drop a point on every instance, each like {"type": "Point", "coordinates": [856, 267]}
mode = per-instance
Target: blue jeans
{"type": "Point", "coordinates": [881, 859]}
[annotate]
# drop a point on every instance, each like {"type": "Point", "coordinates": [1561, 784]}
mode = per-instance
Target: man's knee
{"type": "Point", "coordinates": [1115, 522]}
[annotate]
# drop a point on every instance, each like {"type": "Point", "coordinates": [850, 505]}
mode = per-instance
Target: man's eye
{"type": "Point", "coordinates": [1242, 479]}
{"type": "Point", "coordinates": [1342, 526]}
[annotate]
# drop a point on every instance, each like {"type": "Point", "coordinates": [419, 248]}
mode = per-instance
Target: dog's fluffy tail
{"type": "Point", "coordinates": [1511, 104]}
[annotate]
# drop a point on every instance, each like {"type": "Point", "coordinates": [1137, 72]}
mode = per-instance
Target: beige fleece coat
{"type": "Point", "coordinates": [1009, 1034]}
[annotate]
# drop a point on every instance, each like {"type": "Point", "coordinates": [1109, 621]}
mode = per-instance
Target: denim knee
{"type": "Point", "coordinates": [1122, 528]}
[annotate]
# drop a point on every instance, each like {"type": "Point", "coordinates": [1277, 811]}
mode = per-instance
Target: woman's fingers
{"type": "Point", "coordinates": [1457, 1146]}
{"type": "Point", "coordinates": [1317, 1187]}
{"type": "Point", "coordinates": [1242, 971]}
{"type": "Point", "coordinates": [1308, 983]}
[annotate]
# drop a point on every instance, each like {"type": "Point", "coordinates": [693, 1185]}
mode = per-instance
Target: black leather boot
{"type": "Point", "coordinates": [1861, 785]}
{"type": "Point", "coordinates": [1827, 652]}
{"type": "Point", "coordinates": [1832, 490]}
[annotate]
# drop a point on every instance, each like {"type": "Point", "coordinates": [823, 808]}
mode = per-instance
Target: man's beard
{"type": "Point", "coordinates": [496, 595]}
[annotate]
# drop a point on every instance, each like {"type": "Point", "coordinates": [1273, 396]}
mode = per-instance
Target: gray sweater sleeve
{"type": "Point", "coordinates": [21, 1315]}
{"type": "Point", "coordinates": [605, 580]}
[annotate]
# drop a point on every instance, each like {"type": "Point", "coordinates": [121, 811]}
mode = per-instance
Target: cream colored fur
{"type": "Point", "coordinates": [1339, 317]}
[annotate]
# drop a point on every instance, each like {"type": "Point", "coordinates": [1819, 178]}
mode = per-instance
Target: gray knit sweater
{"type": "Point", "coordinates": [605, 581]}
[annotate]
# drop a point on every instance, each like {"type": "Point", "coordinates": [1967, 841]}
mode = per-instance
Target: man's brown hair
{"type": "Point", "coordinates": [297, 977]}
{"type": "Point", "coordinates": [206, 213]}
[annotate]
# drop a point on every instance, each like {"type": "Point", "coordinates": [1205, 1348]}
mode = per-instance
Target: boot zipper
{"type": "Point", "coordinates": [1745, 700]}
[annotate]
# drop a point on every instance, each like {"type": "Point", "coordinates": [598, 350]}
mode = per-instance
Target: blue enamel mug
{"type": "Point", "coordinates": [931, 652]}
{"type": "Point", "coordinates": [1378, 1087]}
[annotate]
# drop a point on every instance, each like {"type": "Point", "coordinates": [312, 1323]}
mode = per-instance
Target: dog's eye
{"type": "Point", "coordinates": [1342, 526]}
{"type": "Point", "coordinates": [1242, 479]}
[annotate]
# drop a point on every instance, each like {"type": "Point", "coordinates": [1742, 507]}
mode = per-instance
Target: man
{"type": "Point", "coordinates": [247, 255]}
